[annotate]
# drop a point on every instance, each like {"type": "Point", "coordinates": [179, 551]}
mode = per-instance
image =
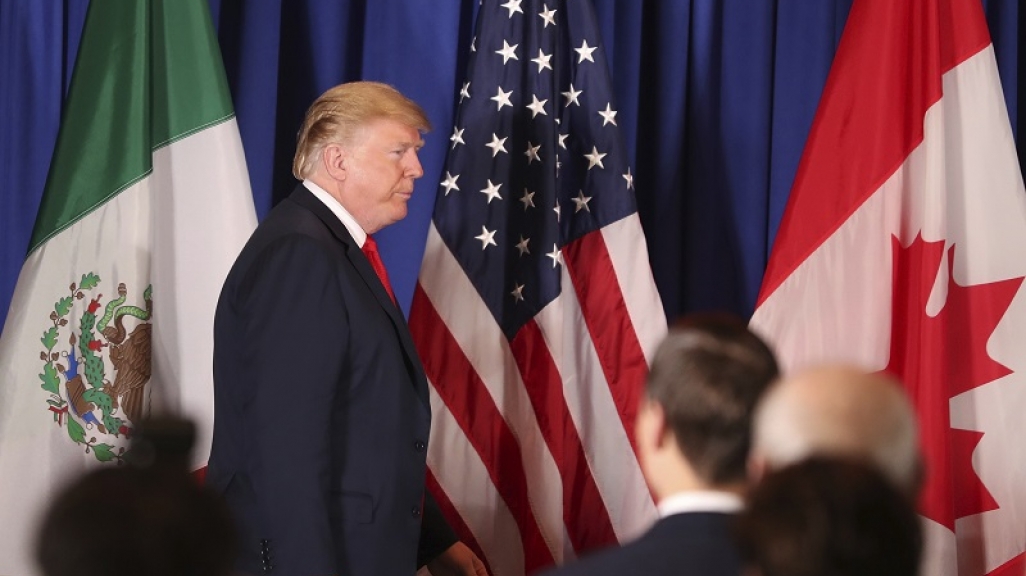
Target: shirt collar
{"type": "Point", "coordinates": [699, 501]}
{"type": "Point", "coordinates": [358, 234]}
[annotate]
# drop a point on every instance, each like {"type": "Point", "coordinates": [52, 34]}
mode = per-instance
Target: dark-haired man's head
{"type": "Point", "coordinates": [694, 425]}
{"type": "Point", "coordinates": [147, 516]}
{"type": "Point", "coordinates": [829, 517]}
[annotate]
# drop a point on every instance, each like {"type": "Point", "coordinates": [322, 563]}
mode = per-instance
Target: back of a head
{"type": "Point", "coordinates": [829, 517]}
{"type": "Point", "coordinates": [339, 113]}
{"type": "Point", "coordinates": [148, 516]}
{"type": "Point", "coordinates": [707, 376]}
{"type": "Point", "coordinates": [840, 411]}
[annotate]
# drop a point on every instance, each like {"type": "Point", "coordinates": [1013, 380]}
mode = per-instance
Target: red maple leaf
{"type": "Point", "coordinates": [939, 357]}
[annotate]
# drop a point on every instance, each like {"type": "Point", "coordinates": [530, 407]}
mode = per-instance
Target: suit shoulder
{"type": "Point", "coordinates": [290, 228]}
{"type": "Point", "coordinates": [288, 218]}
{"type": "Point", "coordinates": [696, 544]}
{"type": "Point", "coordinates": [278, 257]}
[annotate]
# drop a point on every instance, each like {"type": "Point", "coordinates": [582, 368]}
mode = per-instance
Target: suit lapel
{"type": "Point", "coordinates": [302, 196]}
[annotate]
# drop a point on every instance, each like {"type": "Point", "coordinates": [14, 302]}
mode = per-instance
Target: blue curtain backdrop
{"type": "Point", "coordinates": [715, 98]}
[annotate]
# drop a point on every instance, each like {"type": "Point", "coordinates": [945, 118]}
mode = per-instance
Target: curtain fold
{"type": "Point", "coordinates": [715, 98]}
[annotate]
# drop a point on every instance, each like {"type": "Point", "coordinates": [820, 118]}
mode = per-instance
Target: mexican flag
{"type": "Point", "coordinates": [903, 248]}
{"type": "Point", "coordinates": [146, 206]}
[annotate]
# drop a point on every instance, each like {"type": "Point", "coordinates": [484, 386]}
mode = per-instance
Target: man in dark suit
{"type": "Point", "coordinates": [692, 435]}
{"type": "Point", "coordinates": [322, 417]}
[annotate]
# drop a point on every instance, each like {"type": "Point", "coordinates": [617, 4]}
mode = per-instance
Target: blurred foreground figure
{"type": "Point", "coordinates": [829, 517]}
{"type": "Point", "coordinates": [148, 517]}
{"type": "Point", "coordinates": [693, 433]}
{"type": "Point", "coordinates": [839, 411]}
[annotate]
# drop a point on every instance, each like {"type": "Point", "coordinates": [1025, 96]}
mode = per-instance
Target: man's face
{"type": "Point", "coordinates": [380, 166]}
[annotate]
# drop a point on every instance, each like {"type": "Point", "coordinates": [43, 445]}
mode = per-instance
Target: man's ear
{"type": "Point", "coordinates": [661, 427]}
{"type": "Point", "coordinates": [650, 427]}
{"type": "Point", "coordinates": [335, 161]}
{"type": "Point", "coordinates": [757, 468]}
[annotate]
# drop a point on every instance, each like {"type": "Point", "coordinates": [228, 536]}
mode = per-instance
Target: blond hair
{"type": "Point", "coordinates": [340, 112]}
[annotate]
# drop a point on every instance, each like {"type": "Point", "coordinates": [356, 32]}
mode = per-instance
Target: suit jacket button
{"type": "Point", "coordinates": [416, 511]}
{"type": "Point", "coordinates": [419, 446]}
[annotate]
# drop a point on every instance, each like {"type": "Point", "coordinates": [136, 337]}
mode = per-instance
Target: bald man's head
{"type": "Point", "coordinates": [839, 411]}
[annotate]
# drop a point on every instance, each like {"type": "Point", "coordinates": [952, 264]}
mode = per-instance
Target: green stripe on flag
{"type": "Point", "coordinates": [189, 86]}
{"type": "Point", "coordinates": [148, 72]}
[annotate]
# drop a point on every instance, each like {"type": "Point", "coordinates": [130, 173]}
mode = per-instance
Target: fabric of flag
{"type": "Point", "coordinates": [146, 205]}
{"type": "Point", "coordinates": [535, 311]}
{"type": "Point", "coordinates": [903, 248]}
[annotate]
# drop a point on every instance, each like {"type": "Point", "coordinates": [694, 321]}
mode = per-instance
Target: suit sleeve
{"type": "Point", "coordinates": [295, 336]}
{"type": "Point", "coordinates": [436, 536]}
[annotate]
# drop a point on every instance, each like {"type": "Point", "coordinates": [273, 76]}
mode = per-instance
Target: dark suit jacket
{"type": "Point", "coordinates": [688, 544]}
{"type": "Point", "coordinates": [321, 413]}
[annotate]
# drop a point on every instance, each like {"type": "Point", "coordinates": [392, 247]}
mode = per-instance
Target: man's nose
{"type": "Point", "coordinates": [413, 167]}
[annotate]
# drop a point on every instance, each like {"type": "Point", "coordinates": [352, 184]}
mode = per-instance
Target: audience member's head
{"type": "Point", "coordinates": [839, 411]}
{"type": "Point", "coordinates": [694, 424]}
{"type": "Point", "coordinates": [148, 516]}
{"type": "Point", "coordinates": [829, 517]}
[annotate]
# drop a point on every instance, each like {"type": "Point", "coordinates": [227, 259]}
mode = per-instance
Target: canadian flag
{"type": "Point", "coordinates": [903, 248]}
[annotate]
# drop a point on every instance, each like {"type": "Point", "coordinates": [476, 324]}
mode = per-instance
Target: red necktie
{"type": "Point", "coordinates": [370, 249]}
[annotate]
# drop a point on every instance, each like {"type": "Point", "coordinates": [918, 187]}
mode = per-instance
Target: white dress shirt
{"type": "Point", "coordinates": [336, 208]}
{"type": "Point", "coordinates": [699, 501]}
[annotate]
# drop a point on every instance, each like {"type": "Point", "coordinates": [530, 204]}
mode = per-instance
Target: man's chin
{"type": "Point", "coordinates": [400, 212]}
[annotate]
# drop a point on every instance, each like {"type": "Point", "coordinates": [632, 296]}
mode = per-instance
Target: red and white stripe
{"type": "Point", "coordinates": [532, 438]}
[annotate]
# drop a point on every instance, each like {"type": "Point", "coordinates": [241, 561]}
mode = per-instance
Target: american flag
{"type": "Point", "coordinates": [535, 313]}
